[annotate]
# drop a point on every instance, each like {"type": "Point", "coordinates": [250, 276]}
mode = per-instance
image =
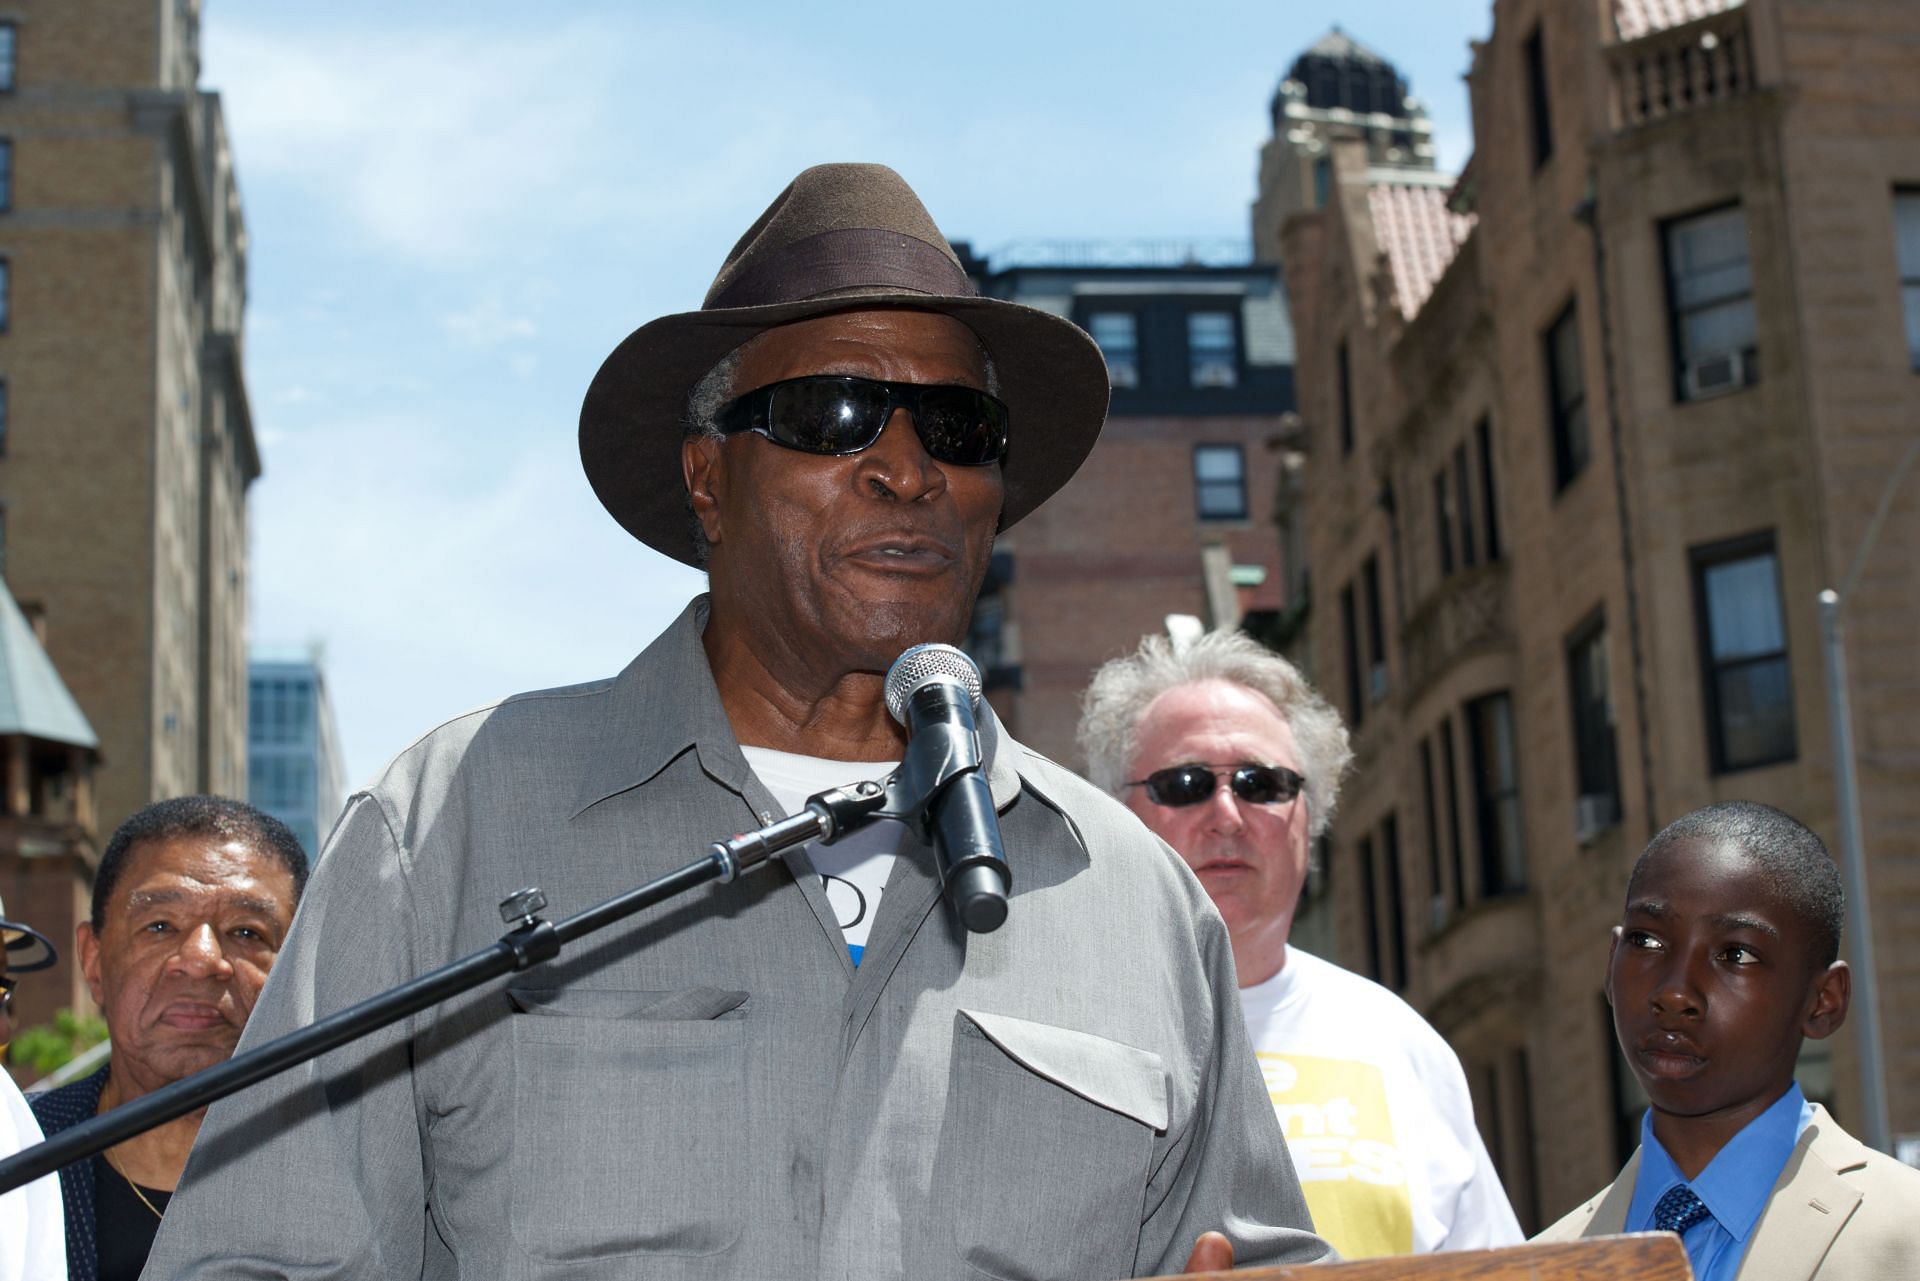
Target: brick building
{"type": "Point", "coordinates": [126, 446]}
{"type": "Point", "coordinates": [1587, 432]}
{"type": "Point", "coordinates": [1171, 514]}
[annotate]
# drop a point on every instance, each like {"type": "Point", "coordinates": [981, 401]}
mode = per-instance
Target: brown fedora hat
{"type": "Point", "coordinates": [839, 237]}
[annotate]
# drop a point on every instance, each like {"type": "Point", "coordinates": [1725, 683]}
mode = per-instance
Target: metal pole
{"type": "Point", "coordinates": [1866, 1007]}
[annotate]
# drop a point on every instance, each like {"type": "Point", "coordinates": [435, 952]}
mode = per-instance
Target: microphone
{"type": "Point", "coordinates": [933, 691]}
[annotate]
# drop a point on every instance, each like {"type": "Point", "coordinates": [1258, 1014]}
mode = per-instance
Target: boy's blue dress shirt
{"type": "Point", "coordinates": [1734, 1186]}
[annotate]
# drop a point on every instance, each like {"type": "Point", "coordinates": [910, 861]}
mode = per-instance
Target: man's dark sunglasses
{"type": "Point", "coordinates": [6, 993]}
{"type": "Point", "coordinates": [841, 414]}
{"type": "Point", "coordinates": [1179, 785]}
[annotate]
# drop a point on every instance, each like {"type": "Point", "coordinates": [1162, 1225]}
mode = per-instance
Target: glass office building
{"type": "Point", "coordinates": [294, 769]}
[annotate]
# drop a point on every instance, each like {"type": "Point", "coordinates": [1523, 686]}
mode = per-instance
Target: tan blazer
{"type": "Point", "coordinates": [1839, 1211]}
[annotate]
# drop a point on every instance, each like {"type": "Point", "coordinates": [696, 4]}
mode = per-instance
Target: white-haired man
{"type": "Point", "coordinates": [1225, 751]}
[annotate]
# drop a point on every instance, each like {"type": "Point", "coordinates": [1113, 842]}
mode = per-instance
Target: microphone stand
{"type": "Point", "coordinates": [530, 941]}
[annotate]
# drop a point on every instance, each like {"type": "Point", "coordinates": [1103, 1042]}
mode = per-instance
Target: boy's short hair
{"type": "Point", "coordinates": [1786, 851]}
{"type": "Point", "coordinates": [217, 817]}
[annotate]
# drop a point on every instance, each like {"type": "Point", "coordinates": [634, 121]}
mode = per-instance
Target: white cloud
{"type": "Point", "coordinates": [445, 145]}
{"type": "Point", "coordinates": [488, 323]}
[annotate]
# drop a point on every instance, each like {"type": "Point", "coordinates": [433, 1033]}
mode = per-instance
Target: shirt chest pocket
{"type": "Point", "coordinates": [1045, 1147]}
{"type": "Point", "coordinates": [624, 1107]}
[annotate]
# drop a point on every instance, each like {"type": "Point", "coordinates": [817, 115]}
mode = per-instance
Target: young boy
{"type": "Point", "coordinates": [1725, 960]}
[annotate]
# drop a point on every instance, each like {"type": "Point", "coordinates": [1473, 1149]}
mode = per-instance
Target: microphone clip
{"type": "Point", "coordinates": [942, 751]}
{"type": "Point", "coordinates": [941, 792]}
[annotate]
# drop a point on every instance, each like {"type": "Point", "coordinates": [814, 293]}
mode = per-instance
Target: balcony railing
{"type": "Point", "coordinates": [1681, 69]}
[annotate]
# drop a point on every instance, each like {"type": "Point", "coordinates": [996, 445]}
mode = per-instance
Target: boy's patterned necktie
{"type": "Point", "coordinates": [1678, 1209]}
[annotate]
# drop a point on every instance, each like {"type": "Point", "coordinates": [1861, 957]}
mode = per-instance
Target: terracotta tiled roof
{"type": "Point", "coordinates": [1418, 234]}
{"type": "Point", "coordinates": [1636, 18]}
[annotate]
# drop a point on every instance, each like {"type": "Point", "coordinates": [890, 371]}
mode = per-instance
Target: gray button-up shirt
{"type": "Point", "coordinates": [711, 1089]}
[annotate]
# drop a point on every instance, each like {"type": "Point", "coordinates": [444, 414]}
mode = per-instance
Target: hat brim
{"type": "Point", "coordinates": [37, 947]}
{"type": "Point", "coordinates": [1050, 373]}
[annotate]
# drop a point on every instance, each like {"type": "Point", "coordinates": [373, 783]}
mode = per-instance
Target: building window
{"type": "Point", "coordinates": [1322, 181]}
{"type": "Point", "coordinates": [1906, 230]}
{"type": "Point", "coordinates": [1451, 796]}
{"type": "Point", "coordinates": [6, 295]}
{"type": "Point", "coordinates": [1463, 493]}
{"type": "Point", "coordinates": [1596, 764]}
{"type": "Point", "coordinates": [6, 174]}
{"type": "Point", "coordinates": [1376, 631]}
{"type": "Point", "coordinates": [1436, 883]}
{"type": "Point", "coordinates": [9, 35]}
{"type": "Point", "coordinates": [1213, 353]}
{"type": "Point", "coordinates": [991, 638]}
{"type": "Point", "coordinates": [1629, 1100]}
{"type": "Point", "coordinates": [1118, 336]}
{"type": "Point", "coordinates": [1350, 641]}
{"type": "Point", "coordinates": [3, 417]}
{"type": "Point", "coordinates": [1539, 112]}
{"type": "Point", "coordinates": [1465, 533]}
{"type": "Point", "coordinates": [1743, 654]}
{"type": "Point", "coordinates": [1567, 398]}
{"type": "Point", "coordinates": [1220, 482]}
{"type": "Point", "coordinates": [1344, 372]}
{"type": "Point", "coordinates": [1490, 510]}
{"type": "Point", "coordinates": [1369, 906]}
{"type": "Point", "coordinates": [1507, 1092]}
{"type": "Point", "coordinates": [985, 638]}
{"type": "Point", "coordinates": [1496, 794]}
{"type": "Point", "coordinates": [1710, 297]}
{"type": "Point", "coordinates": [1394, 955]}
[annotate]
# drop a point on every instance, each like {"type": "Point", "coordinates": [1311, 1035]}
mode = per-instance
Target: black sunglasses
{"type": "Point", "coordinates": [842, 414]}
{"type": "Point", "coordinates": [6, 994]}
{"type": "Point", "coordinates": [1179, 785]}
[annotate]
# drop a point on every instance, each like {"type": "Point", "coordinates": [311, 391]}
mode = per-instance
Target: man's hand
{"type": "Point", "coordinates": [1211, 1253]}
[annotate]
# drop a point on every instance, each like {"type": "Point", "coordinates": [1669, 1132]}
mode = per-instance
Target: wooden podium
{"type": "Point", "coordinates": [1642, 1256]}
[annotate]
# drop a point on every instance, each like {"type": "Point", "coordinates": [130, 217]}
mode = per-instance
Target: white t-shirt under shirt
{"type": "Point", "coordinates": [33, 1226]}
{"type": "Point", "coordinates": [1377, 1115]}
{"type": "Point", "coordinates": [854, 869]}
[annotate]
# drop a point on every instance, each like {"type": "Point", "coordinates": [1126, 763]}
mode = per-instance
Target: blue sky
{"type": "Point", "coordinates": [455, 211]}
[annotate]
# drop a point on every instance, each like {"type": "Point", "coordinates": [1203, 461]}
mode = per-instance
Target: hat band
{"type": "Point", "coordinates": [849, 258]}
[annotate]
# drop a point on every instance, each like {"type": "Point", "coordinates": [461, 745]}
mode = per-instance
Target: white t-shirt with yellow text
{"type": "Point", "coordinates": [1377, 1115]}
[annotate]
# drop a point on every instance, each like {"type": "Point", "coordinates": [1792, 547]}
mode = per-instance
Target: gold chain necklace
{"type": "Point", "coordinates": [135, 1186]}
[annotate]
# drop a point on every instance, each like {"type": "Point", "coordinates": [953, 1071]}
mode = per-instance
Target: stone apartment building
{"type": "Point", "coordinates": [126, 446]}
{"type": "Point", "coordinates": [1587, 431]}
{"type": "Point", "coordinates": [1171, 514]}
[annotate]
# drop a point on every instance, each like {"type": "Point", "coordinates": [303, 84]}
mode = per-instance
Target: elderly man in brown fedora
{"type": "Point", "coordinates": [811, 1072]}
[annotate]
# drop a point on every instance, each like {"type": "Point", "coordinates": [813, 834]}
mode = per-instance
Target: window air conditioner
{"type": "Point", "coordinates": [1594, 814]}
{"type": "Point", "coordinates": [1711, 375]}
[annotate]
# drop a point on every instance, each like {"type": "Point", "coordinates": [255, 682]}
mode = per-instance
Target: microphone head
{"type": "Point", "coordinates": [924, 664]}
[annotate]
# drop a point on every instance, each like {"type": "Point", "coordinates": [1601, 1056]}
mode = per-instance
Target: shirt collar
{"type": "Point", "coordinates": [1736, 1184]}
{"type": "Point", "coordinates": [666, 703]}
